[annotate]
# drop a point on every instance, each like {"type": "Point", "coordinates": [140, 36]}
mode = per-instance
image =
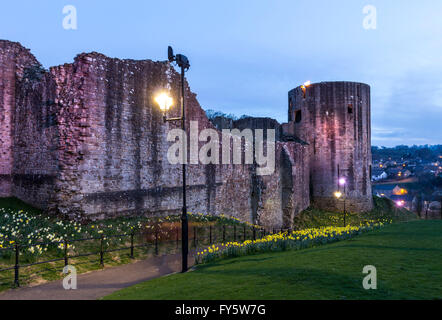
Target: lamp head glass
{"type": "Point", "coordinates": [338, 194]}
{"type": "Point", "coordinates": [164, 101]}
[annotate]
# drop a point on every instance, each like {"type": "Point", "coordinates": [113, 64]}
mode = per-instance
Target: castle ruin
{"type": "Point", "coordinates": [86, 140]}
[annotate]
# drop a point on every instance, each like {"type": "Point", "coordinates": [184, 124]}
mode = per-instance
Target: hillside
{"type": "Point", "coordinates": [384, 210]}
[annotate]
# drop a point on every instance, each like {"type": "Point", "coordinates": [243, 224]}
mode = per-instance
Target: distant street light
{"type": "Point", "coordinates": [338, 195]}
{"type": "Point", "coordinates": [165, 102]}
{"type": "Point", "coordinates": [342, 181]}
{"type": "Point", "coordinates": [399, 205]}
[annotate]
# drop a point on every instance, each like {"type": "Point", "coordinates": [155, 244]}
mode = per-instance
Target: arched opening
{"type": "Point", "coordinates": [298, 116]}
{"type": "Point", "coordinates": [286, 183]}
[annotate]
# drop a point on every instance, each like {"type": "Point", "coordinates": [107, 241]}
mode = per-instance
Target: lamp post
{"type": "Point", "coordinates": [399, 205]}
{"type": "Point", "coordinates": [165, 102]}
{"type": "Point", "coordinates": [343, 182]}
{"type": "Point", "coordinates": [338, 195]}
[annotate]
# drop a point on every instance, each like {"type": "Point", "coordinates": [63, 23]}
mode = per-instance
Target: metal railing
{"type": "Point", "coordinates": [198, 236]}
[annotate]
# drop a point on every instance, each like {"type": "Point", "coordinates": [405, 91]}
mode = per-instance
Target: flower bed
{"type": "Point", "coordinates": [283, 241]}
{"type": "Point", "coordinates": [33, 232]}
{"type": "Point", "coordinates": [44, 244]}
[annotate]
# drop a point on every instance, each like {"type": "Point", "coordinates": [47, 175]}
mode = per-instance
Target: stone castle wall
{"type": "Point", "coordinates": [24, 167]}
{"type": "Point", "coordinates": [35, 138]}
{"type": "Point", "coordinates": [86, 139]}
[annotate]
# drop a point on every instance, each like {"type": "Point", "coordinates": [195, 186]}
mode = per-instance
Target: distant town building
{"type": "Point", "coordinates": [398, 191]}
{"type": "Point", "coordinates": [378, 174]}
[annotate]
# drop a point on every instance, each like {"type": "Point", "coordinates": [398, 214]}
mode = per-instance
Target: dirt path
{"type": "Point", "coordinates": [97, 284]}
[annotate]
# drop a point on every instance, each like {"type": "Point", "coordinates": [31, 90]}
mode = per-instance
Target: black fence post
{"type": "Point", "coordinates": [132, 245]}
{"type": "Point", "coordinates": [224, 233]}
{"type": "Point", "coordinates": [254, 233]}
{"type": "Point", "coordinates": [210, 234]}
{"type": "Point", "coordinates": [101, 251]}
{"type": "Point", "coordinates": [234, 233]}
{"type": "Point", "coordinates": [245, 233]}
{"type": "Point", "coordinates": [156, 241]}
{"type": "Point", "coordinates": [17, 265]}
{"type": "Point", "coordinates": [66, 261]}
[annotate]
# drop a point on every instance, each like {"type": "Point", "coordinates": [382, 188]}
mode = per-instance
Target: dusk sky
{"type": "Point", "coordinates": [247, 54]}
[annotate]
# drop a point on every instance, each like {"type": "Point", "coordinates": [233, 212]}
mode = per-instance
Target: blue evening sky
{"type": "Point", "coordinates": [247, 54]}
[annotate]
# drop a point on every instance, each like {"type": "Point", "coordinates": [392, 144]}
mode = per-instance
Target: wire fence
{"type": "Point", "coordinates": [16, 257]}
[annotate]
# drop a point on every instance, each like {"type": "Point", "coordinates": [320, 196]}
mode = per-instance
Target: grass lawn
{"type": "Point", "coordinates": [383, 209]}
{"type": "Point", "coordinates": [408, 258]}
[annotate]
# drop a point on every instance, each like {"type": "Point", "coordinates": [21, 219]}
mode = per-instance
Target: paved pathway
{"type": "Point", "coordinates": [97, 284]}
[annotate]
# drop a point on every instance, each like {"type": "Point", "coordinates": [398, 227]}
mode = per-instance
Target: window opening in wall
{"type": "Point", "coordinates": [298, 116]}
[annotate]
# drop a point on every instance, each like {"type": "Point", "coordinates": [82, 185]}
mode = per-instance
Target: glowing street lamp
{"type": "Point", "coordinates": [400, 203]}
{"type": "Point", "coordinates": [165, 102]}
{"type": "Point", "coordinates": [342, 181]}
{"type": "Point", "coordinates": [338, 194]}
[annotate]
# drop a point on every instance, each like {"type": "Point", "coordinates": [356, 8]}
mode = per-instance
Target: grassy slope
{"type": "Point", "coordinates": [384, 209]}
{"type": "Point", "coordinates": [408, 258]}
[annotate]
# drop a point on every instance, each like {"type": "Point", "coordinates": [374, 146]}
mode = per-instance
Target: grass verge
{"type": "Point", "coordinates": [407, 257]}
{"type": "Point", "coordinates": [383, 210]}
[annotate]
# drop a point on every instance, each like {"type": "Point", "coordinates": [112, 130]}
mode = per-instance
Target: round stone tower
{"type": "Point", "coordinates": [334, 118]}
